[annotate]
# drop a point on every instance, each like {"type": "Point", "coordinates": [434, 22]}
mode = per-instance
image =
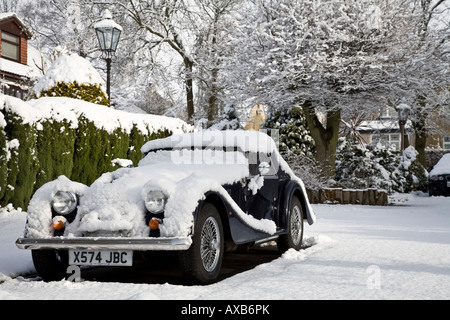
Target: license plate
{"type": "Point", "coordinates": [101, 257]}
{"type": "Point", "coordinates": [448, 184]}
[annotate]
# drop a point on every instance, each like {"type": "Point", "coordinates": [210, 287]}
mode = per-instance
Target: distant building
{"type": "Point", "coordinates": [18, 61]}
{"type": "Point", "coordinates": [385, 129]}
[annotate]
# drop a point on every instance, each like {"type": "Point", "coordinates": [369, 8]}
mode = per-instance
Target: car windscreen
{"type": "Point", "coordinates": [185, 156]}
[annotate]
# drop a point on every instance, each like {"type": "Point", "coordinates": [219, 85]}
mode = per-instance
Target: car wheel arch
{"type": "Point", "coordinates": [217, 201]}
{"type": "Point", "coordinates": [290, 190]}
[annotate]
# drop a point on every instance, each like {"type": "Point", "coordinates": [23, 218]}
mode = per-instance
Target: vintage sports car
{"type": "Point", "coordinates": [199, 194]}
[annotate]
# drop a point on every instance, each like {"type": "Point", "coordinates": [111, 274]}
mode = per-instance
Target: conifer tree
{"type": "Point", "coordinates": [293, 131]}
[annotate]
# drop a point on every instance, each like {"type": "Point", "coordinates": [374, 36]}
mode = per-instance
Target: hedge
{"type": "Point", "coordinates": [33, 152]}
{"type": "Point", "coordinates": [87, 92]}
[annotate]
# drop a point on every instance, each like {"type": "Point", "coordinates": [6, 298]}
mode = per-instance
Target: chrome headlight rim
{"type": "Point", "coordinates": [64, 202]}
{"type": "Point", "coordinates": [155, 201]}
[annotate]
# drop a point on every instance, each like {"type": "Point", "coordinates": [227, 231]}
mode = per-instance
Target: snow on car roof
{"type": "Point", "coordinates": [443, 166]}
{"type": "Point", "coordinates": [246, 141]}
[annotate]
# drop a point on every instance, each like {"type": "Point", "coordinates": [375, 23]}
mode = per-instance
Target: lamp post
{"type": "Point", "coordinates": [403, 113]}
{"type": "Point", "coordinates": [108, 34]}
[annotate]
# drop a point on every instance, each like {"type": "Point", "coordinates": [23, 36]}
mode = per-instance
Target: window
{"type": "Point", "coordinates": [13, 91]}
{"type": "Point", "coordinates": [10, 46]}
{"type": "Point", "coordinates": [388, 139]}
{"type": "Point", "coordinates": [447, 143]}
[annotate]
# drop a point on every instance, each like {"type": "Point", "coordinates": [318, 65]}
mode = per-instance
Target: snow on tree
{"type": "Point", "coordinates": [413, 171]}
{"type": "Point", "coordinates": [358, 167]}
{"type": "Point", "coordinates": [74, 77]}
{"type": "Point", "coordinates": [329, 57]}
{"type": "Point", "coordinates": [229, 121]}
{"type": "Point", "coordinates": [377, 166]}
{"type": "Point", "coordinates": [182, 41]}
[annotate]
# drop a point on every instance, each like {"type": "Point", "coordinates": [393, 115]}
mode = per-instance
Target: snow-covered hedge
{"type": "Point", "coordinates": [44, 138]}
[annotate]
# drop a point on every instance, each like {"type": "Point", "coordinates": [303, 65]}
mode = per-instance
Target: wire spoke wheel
{"type": "Point", "coordinates": [294, 230]}
{"type": "Point", "coordinates": [296, 225]}
{"type": "Point", "coordinates": [210, 244]}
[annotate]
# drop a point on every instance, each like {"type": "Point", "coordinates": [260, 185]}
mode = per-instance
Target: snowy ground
{"type": "Point", "coordinates": [400, 251]}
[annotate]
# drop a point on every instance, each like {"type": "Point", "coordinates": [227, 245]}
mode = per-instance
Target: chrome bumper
{"type": "Point", "coordinates": [136, 244]}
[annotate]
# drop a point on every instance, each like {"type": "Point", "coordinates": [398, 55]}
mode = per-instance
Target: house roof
{"type": "Point", "coordinates": [12, 15]}
{"type": "Point", "coordinates": [386, 125]}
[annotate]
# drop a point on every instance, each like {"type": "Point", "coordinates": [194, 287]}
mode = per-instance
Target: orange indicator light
{"type": "Point", "coordinates": [154, 224]}
{"type": "Point", "coordinates": [59, 225]}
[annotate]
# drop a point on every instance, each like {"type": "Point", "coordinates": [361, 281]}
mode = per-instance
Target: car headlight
{"type": "Point", "coordinates": [155, 201]}
{"type": "Point", "coordinates": [64, 202]}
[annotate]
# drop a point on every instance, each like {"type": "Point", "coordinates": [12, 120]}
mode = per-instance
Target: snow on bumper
{"type": "Point", "coordinates": [99, 243]}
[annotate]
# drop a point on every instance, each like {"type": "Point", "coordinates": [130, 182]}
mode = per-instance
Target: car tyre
{"type": "Point", "coordinates": [51, 265]}
{"type": "Point", "coordinates": [294, 237]}
{"type": "Point", "coordinates": [203, 260]}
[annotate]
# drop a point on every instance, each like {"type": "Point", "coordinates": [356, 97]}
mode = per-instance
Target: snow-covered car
{"type": "Point", "coordinates": [199, 194]}
{"type": "Point", "coordinates": [439, 177]}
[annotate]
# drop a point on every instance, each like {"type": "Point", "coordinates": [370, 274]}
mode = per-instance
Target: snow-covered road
{"type": "Point", "coordinates": [358, 252]}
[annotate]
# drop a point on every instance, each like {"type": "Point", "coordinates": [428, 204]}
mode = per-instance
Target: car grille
{"type": "Point", "coordinates": [104, 233]}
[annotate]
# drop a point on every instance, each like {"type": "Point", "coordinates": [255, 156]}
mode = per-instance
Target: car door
{"type": "Point", "coordinates": [262, 188]}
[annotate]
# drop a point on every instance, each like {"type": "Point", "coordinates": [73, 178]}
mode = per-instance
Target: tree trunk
{"type": "Point", "coordinates": [421, 140]}
{"type": "Point", "coordinates": [420, 131]}
{"type": "Point", "coordinates": [189, 88]}
{"type": "Point", "coordinates": [212, 101]}
{"type": "Point", "coordinates": [325, 137]}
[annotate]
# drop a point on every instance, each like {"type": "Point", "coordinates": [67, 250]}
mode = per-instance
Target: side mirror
{"type": "Point", "coordinates": [264, 168]}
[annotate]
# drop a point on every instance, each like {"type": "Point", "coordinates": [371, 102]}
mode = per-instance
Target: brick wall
{"type": "Point", "coordinates": [23, 50]}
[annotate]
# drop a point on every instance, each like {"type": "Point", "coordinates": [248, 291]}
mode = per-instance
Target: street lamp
{"type": "Point", "coordinates": [108, 34]}
{"type": "Point", "coordinates": [403, 113]}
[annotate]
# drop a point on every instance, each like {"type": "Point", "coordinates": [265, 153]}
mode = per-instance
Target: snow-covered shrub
{"type": "Point", "coordinates": [229, 120]}
{"type": "Point", "coordinates": [354, 165]}
{"type": "Point", "coordinates": [87, 92]}
{"type": "Point", "coordinates": [377, 166]}
{"type": "Point", "coordinates": [359, 166]}
{"type": "Point", "coordinates": [415, 175]}
{"type": "Point", "coordinates": [74, 77]}
{"type": "Point", "coordinates": [293, 132]}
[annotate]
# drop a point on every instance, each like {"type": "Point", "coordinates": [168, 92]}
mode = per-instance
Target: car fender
{"type": "Point", "coordinates": [288, 191]}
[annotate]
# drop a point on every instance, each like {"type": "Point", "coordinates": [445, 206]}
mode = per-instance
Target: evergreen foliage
{"type": "Point", "coordinates": [357, 167]}
{"type": "Point", "coordinates": [293, 131]}
{"type": "Point", "coordinates": [55, 143]}
{"type": "Point", "coordinates": [377, 166]}
{"type": "Point", "coordinates": [22, 164]}
{"type": "Point", "coordinates": [415, 175]}
{"type": "Point", "coordinates": [87, 92]}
